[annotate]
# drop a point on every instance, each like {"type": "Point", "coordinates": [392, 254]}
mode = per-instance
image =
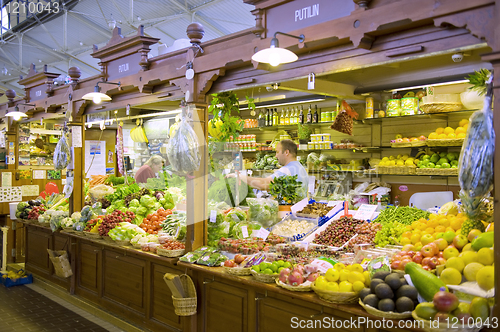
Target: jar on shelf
{"type": "Point", "coordinates": [393, 107]}
{"type": "Point", "coordinates": [409, 106]}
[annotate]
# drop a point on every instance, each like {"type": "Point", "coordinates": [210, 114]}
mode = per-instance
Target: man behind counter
{"type": "Point", "coordinates": [286, 153]}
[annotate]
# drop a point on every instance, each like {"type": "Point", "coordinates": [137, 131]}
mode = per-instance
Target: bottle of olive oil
{"type": "Point", "coordinates": [309, 115]}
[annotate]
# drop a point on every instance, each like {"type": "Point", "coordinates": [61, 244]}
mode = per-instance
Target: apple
{"type": "Point", "coordinates": [418, 257]}
{"type": "Point", "coordinates": [439, 235]}
{"type": "Point", "coordinates": [422, 138]}
{"type": "Point", "coordinates": [426, 267]}
{"type": "Point", "coordinates": [229, 263]}
{"type": "Point", "coordinates": [436, 249]}
{"type": "Point", "coordinates": [426, 239]}
{"type": "Point", "coordinates": [445, 301]}
{"type": "Point", "coordinates": [399, 140]}
{"type": "Point", "coordinates": [404, 262]}
{"type": "Point", "coordinates": [238, 259]}
{"type": "Point", "coordinates": [395, 265]}
{"type": "Point", "coordinates": [440, 254]}
{"type": "Point", "coordinates": [408, 247]}
{"type": "Point", "coordinates": [473, 234]}
{"type": "Point", "coordinates": [399, 136]}
{"type": "Point", "coordinates": [418, 246]}
{"type": "Point", "coordinates": [450, 252]}
{"type": "Point", "coordinates": [428, 250]}
{"type": "Point", "coordinates": [433, 262]}
{"type": "Point", "coordinates": [403, 253]}
{"type": "Point", "coordinates": [396, 257]}
{"type": "Point", "coordinates": [425, 261]}
{"type": "Point", "coordinates": [411, 253]}
{"type": "Point", "coordinates": [406, 140]}
{"type": "Point", "coordinates": [441, 261]}
{"type": "Point", "coordinates": [441, 243]}
{"type": "Point", "coordinates": [460, 241]}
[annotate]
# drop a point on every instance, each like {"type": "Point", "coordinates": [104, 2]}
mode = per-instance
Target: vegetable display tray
{"type": "Point", "coordinates": [170, 253]}
{"type": "Point", "coordinates": [122, 242]}
{"type": "Point", "coordinates": [383, 314]}
{"type": "Point", "coordinates": [335, 297]}
{"type": "Point", "coordinates": [69, 229]}
{"type": "Point", "coordinates": [92, 235]}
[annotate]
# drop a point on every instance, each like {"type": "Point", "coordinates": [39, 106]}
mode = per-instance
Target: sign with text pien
{"type": "Point", "coordinates": [125, 66]}
{"type": "Point", "coordinates": [304, 13]}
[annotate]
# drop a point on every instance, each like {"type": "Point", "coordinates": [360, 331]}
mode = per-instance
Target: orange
{"type": "Point", "coordinates": [404, 241]}
{"type": "Point", "coordinates": [425, 233]}
{"type": "Point", "coordinates": [442, 136]}
{"type": "Point", "coordinates": [448, 130]}
{"type": "Point", "coordinates": [433, 136]}
{"type": "Point", "coordinates": [449, 229]}
{"type": "Point", "coordinates": [444, 222]}
{"type": "Point", "coordinates": [460, 130]}
{"type": "Point", "coordinates": [465, 126]}
{"type": "Point", "coordinates": [440, 229]}
{"type": "Point", "coordinates": [456, 224]}
{"type": "Point", "coordinates": [439, 130]}
{"type": "Point", "coordinates": [415, 238]}
{"type": "Point", "coordinates": [429, 230]}
{"type": "Point", "coordinates": [432, 223]}
{"type": "Point", "coordinates": [421, 226]}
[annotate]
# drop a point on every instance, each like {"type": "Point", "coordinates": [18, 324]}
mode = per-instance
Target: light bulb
{"type": "Point", "coordinates": [274, 59]}
{"type": "Point", "coordinates": [97, 99]}
{"type": "Point", "coordinates": [17, 117]}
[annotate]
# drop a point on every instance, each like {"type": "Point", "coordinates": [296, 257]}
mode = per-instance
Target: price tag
{"type": "Point", "coordinates": [213, 216]}
{"type": "Point", "coordinates": [312, 184]}
{"type": "Point", "coordinates": [365, 212]}
{"type": "Point", "coordinates": [263, 233]}
{"type": "Point", "coordinates": [244, 231]}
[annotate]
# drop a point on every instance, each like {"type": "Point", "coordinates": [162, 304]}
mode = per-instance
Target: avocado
{"type": "Point", "coordinates": [381, 275]}
{"type": "Point", "coordinates": [403, 281]}
{"type": "Point", "coordinates": [404, 304]}
{"type": "Point", "coordinates": [393, 281]}
{"type": "Point", "coordinates": [407, 291]}
{"type": "Point", "coordinates": [374, 283]}
{"type": "Point", "coordinates": [371, 300]}
{"type": "Point", "coordinates": [384, 291]}
{"type": "Point", "coordinates": [386, 305]}
{"type": "Point", "coordinates": [364, 292]}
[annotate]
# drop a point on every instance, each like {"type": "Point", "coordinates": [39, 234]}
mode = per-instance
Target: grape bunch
{"type": "Point", "coordinates": [390, 233]}
{"type": "Point", "coordinates": [367, 232]}
{"type": "Point", "coordinates": [35, 212]}
{"type": "Point", "coordinates": [338, 232]}
{"type": "Point", "coordinates": [112, 220]}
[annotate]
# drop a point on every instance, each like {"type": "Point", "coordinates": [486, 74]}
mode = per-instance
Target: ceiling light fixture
{"type": "Point", "coordinates": [17, 114]}
{"type": "Point", "coordinates": [112, 23]}
{"type": "Point", "coordinates": [275, 55]}
{"type": "Point", "coordinates": [97, 96]}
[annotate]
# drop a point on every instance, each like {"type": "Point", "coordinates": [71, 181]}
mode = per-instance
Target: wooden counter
{"type": "Point", "coordinates": [129, 283]}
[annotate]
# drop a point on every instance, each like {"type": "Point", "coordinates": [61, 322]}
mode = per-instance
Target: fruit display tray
{"type": "Point", "coordinates": [305, 287]}
{"type": "Point", "coordinates": [335, 297]}
{"type": "Point", "coordinates": [262, 277]}
{"type": "Point", "coordinates": [384, 314]}
{"type": "Point", "coordinates": [445, 142]}
{"type": "Point", "coordinates": [238, 271]}
{"type": "Point", "coordinates": [443, 327]}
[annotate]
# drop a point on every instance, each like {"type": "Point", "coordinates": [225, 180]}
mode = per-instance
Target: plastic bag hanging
{"type": "Point", "coordinates": [344, 121]}
{"type": "Point", "coordinates": [62, 153]}
{"type": "Point", "coordinates": [476, 158]}
{"type": "Point", "coordinates": [182, 148]}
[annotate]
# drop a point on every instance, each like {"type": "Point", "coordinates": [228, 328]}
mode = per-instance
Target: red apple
{"type": "Point", "coordinates": [425, 261]}
{"type": "Point", "coordinates": [404, 262]}
{"type": "Point", "coordinates": [411, 253]}
{"type": "Point", "coordinates": [460, 241]}
{"type": "Point", "coordinates": [441, 243]}
{"type": "Point", "coordinates": [403, 253]}
{"type": "Point", "coordinates": [428, 250]}
{"type": "Point", "coordinates": [399, 140]}
{"type": "Point", "coordinates": [238, 259]}
{"type": "Point", "coordinates": [405, 257]}
{"type": "Point", "coordinates": [473, 234]}
{"type": "Point", "coordinates": [426, 267]}
{"type": "Point", "coordinates": [441, 261]}
{"type": "Point", "coordinates": [441, 254]}
{"type": "Point", "coordinates": [396, 257]}
{"type": "Point", "coordinates": [418, 257]}
{"type": "Point", "coordinates": [436, 248]}
{"type": "Point", "coordinates": [396, 265]}
{"type": "Point", "coordinates": [422, 138]}
{"type": "Point", "coordinates": [433, 263]}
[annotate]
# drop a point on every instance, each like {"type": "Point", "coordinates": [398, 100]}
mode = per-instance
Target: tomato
{"type": "Point", "coordinates": [149, 216]}
{"type": "Point", "coordinates": [154, 218]}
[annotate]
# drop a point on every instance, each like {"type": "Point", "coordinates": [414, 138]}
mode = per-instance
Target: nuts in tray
{"type": "Point", "coordinates": [318, 209]}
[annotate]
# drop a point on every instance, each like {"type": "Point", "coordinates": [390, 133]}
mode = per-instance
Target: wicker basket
{"type": "Point", "coordinates": [335, 297]}
{"type": "Point", "coordinates": [446, 142]}
{"type": "Point", "coordinates": [238, 271]}
{"type": "Point", "coordinates": [69, 229]}
{"type": "Point", "coordinates": [108, 239]}
{"type": "Point", "coordinates": [122, 242]}
{"type": "Point", "coordinates": [383, 314]}
{"type": "Point", "coordinates": [170, 253]}
{"type": "Point", "coordinates": [401, 145]}
{"type": "Point", "coordinates": [442, 327]}
{"type": "Point", "coordinates": [440, 107]}
{"type": "Point", "coordinates": [437, 171]}
{"type": "Point", "coordinates": [262, 277]}
{"type": "Point", "coordinates": [418, 144]}
{"type": "Point", "coordinates": [92, 235]}
{"type": "Point", "coordinates": [186, 306]}
{"type": "Point", "coordinates": [305, 287]}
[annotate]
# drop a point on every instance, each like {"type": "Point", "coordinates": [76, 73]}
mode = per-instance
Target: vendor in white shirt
{"type": "Point", "coordinates": [286, 153]}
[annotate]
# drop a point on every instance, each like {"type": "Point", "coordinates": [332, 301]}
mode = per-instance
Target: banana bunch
{"type": "Point", "coordinates": [14, 275]}
{"type": "Point", "coordinates": [138, 135]}
{"type": "Point", "coordinates": [214, 128]}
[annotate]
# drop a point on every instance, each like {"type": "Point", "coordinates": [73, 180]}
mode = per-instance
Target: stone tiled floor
{"type": "Point", "coordinates": [23, 309]}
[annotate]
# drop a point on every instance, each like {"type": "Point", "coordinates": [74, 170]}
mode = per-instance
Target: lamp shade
{"type": "Point", "coordinates": [275, 56]}
{"type": "Point", "coordinates": [17, 115]}
{"type": "Point", "coordinates": [96, 97]}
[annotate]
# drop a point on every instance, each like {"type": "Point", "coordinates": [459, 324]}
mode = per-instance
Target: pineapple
{"type": "Point", "coordinates": [471, 224]}
{"type": "Point", "coordinates": [475, 210]}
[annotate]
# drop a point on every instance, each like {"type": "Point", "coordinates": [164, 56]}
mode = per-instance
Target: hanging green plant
{"type": "Point", "coordinates": [286, 189]}
{"type": "Point", "coordinates": [478, 80]}
{"type": "Point", "coordinates": [224, 124]}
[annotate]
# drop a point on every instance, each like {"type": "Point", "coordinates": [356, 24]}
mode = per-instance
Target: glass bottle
{"type": "Point", "coordinates": [287, 117]}
{"type": "Point", "coordinates": [301, 115]}
{"type": "Point", "coordinates": [275, 117]}
{"type": "Point", "coordinates": [296, 116]}
{"type": "Point", "coordinates": [261, 121]}
{"type": "Point", "coordinates": [309, 114]}
{"type": "Point", "coordinates": [282, 118]}
{"type": "Point", "coordinates": [315, 115]}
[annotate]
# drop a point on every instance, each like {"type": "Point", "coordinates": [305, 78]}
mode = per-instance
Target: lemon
{"type": "Point", "coordinates": [355, 276]}
{"type": "Point", "coordinates": [451, 276]}
{"type": "Point", "coordinates": [456, 263]}
{"type": "Point", "coordinates": [448, 130]}
{"type": "Point", "coordinates": [339, 266]}
{"type": "Point", "coordinates": [467, 247]}
{"type": "Point", "coordinates": [320, 282]}
{"type": "Point", "coordinates": [471, 270]}
{"type": "Point", "coordinates": [357, 268]}
{"type": "Point", "coordinates": [357, 286]}
{"type": "Point", "coordinates": [344, 275]}
{"type": "Point", "coordinates": [440, 130]}
{"type": "Point", "coordinates": [463, 122]}
{"type": "Point", "coordinates": [332, 275]}
{"type": "Point", "coordinates": [345, 287]}
{"type": "Point", "coordinates": [469, 257]}
{"type": "Point", "coordinates": [485, 256]}
{"type": "Point", "coordinates": [332, 286]}
{"type": "Point", "coordinates": [486, 277]}
{"type": "Point", "coordinates": [433, 135]}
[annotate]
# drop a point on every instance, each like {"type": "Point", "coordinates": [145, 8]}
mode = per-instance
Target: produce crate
{"type": "Point", "coordinates": [8, 282]}
{"type": "Point", "coordinates": [445, 142]}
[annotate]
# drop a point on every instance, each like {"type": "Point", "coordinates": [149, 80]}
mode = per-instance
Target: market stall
{"type": "Point", "coordinates": [377, 104]}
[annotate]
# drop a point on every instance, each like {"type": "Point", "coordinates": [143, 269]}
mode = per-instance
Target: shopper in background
{"type": "Point", "coordinates": [149, 169]}
{"type": "Point", "coordinates": [286, 153]}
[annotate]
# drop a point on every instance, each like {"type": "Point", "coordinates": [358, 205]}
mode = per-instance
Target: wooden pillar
{"type": "Point", "coordinates": [78, 197]}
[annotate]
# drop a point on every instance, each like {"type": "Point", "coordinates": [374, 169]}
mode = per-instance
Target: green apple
{"type": "Point", "coordinates": [426, 156]}
{"type": "Point", "coordinates": [439, 235]}
{"type": "Point", "coordinates": [454, 166]}
{"type": "Point", "coordinates": [442, 161]}
{"type": "Point", "coordinates": [437, 166]}
{"type": "Point", "coordinates": [451, 156]}
{"type": "Point", "coordinates": [443, 154]}
{"type": "Point", "coordinates": [431, 165]}
{"type": "Point", "coordinates": [454, 163]}
{"type": "Point", "coordinates": [445, 165]}
{"type": "Point", "coordinates": [434, 158]}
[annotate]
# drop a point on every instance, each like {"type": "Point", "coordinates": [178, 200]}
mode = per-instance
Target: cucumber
{"type": "Point", "coordinates": [425, 282]}
{"type": "Point", "coordinates": [484, 240]}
